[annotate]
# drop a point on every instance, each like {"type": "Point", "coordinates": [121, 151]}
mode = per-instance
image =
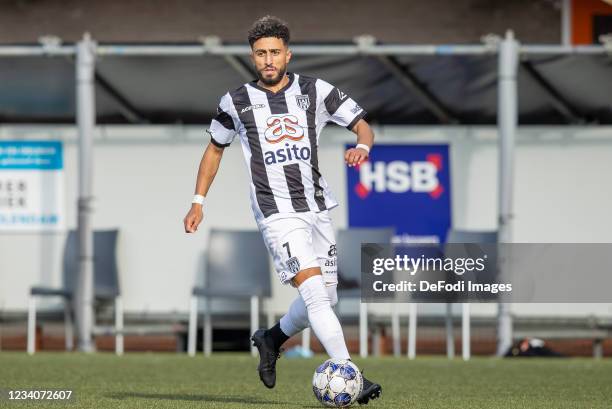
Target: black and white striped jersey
{"type": "Point", "coordinates": [279, 133]}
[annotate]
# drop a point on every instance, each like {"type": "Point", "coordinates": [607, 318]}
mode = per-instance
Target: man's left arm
{"type": "Point", "coordinates": [365, 139]}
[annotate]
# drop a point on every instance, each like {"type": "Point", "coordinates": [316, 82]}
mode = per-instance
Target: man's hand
{"type": "Point", "coordinates": [193, 218]}
{"type": "Point", "coordinates": [355, 156]}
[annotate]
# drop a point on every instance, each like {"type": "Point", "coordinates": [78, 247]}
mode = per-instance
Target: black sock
{"type": "Point", "coordinates": [278, 336]}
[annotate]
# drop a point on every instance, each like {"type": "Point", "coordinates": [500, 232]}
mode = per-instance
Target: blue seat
{"type": "Point", "coordinates": [464, 243]}
{"type": "Point", "coordinates": [349, 270]}
{"type": "Point", "coordinates": [106, 285]}
{"type": "Point", "coordinates": [466, 237]}
{"type": "Point", "coordinates": [472, 236]}
{"type": "Point", "coordinates": [237, 267]}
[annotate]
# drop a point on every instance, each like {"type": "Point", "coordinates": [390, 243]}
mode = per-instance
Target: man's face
{"type": "Point", "coordinates": [270, 57]}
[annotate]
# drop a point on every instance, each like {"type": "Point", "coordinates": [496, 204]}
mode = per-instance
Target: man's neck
{"type": "Point", "coordinates": [277, 87]}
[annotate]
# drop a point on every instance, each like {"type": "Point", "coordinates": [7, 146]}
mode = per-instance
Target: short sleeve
{"type": "Point", "coordinates": [223, 127]}
{"type": "Point", "coordinates": [340, 108]}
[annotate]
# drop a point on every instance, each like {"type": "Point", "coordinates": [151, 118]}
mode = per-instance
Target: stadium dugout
{"type": "Point", "coordinates": [498, 82]}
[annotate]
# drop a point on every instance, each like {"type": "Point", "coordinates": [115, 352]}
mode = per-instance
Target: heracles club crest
{"type": "Point", "coordinates": [303, 101]}
{"type": "Point", "coordinates": [293, 264]}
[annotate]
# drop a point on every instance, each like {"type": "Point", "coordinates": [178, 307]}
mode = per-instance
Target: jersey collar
{"type": "Point", "coordinates": [280, 91]}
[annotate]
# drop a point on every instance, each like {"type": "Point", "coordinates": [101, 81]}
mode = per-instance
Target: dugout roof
{"type": "Point", "coordinates": [561, 88]}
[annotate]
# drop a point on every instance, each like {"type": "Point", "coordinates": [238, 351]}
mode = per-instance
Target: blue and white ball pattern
{"type": "Point", "coordinates": [337, 383]}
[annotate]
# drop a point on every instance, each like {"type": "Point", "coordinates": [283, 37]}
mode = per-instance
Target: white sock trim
{"type": "Point", "coordinates": [296, 319]}
{"type": "Point", "coordinates": [322, 318]}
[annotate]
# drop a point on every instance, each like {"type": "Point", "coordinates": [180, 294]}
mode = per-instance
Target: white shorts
{"type": "Point", "coordinates": [298, 241]}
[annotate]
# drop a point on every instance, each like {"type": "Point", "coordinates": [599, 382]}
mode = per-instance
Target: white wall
{"type": "Point", "coordinates": [144, 178]}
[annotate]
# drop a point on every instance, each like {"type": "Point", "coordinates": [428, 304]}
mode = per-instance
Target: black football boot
{"type": "Point", "coordinates": [268, 355]}
{"type": "Point", "coordinates": [370, 391]}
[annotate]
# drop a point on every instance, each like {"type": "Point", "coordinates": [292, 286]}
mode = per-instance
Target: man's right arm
{"type": "Point", "coordinates": [206, 174]}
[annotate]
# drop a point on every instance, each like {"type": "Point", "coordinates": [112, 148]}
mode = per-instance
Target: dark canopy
{"type": "Point", "coordinates": [428, 89]}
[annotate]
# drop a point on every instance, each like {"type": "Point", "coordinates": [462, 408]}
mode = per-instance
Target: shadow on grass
{"type": "Point", "coordinates": [194, 398]}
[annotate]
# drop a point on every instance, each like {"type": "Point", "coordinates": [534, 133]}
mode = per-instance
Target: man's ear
{"type": "Point", "coordinates": [288, 58]}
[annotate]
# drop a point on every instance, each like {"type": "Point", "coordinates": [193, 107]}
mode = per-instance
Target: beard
{"type": "Point", "coordinates": [274, 80]}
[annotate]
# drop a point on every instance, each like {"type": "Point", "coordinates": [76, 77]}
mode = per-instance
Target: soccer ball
{"type": "Point", "coordinates": [337, 383]}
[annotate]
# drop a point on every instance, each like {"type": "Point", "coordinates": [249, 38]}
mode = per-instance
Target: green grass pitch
{"type": "Point", "coordinates": [231, 381]}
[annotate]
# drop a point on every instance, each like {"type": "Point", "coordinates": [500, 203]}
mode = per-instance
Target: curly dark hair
{"type": "Point", "coordinates": [269, 26]}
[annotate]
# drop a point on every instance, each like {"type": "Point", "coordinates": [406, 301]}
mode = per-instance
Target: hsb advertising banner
{"type": "Point", "coordinates": [31, 186]}
{"type": "Point", "coordinates": [404, 186]}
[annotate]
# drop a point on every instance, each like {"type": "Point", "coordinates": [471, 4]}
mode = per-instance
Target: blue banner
{"type": "Point", "coordinates": [404, 186]}
{"type": "Point", "coordinates": [40, 155]}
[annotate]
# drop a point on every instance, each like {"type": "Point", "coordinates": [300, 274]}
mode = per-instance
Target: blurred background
{"type": "Point", "coordinates": [429, 74]}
